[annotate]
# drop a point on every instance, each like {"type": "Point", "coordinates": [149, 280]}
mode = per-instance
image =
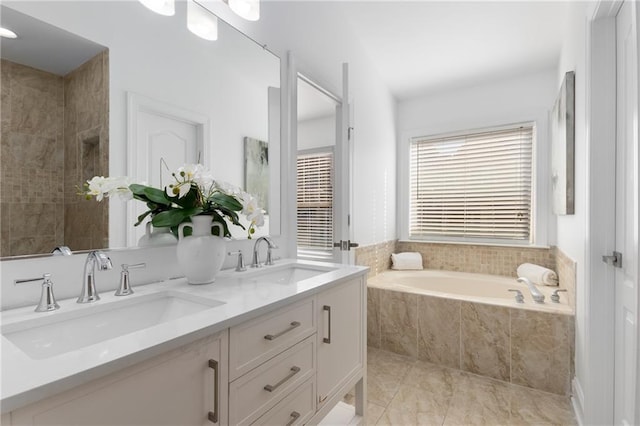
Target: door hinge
{"type": "Point", "coordinates": [345, 245]}
{"type": "Point", "coordinates": [349, 132]}
{"type": "Point", "coordinates": [614, 260]}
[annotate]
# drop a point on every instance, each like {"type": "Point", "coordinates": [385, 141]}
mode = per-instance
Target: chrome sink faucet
{"type": "Point", "coordinates": [537, 296]}
{"type": "Point", "coordinates": [255, 263]}
{"type": "Point", "coordinates": [89, 293]}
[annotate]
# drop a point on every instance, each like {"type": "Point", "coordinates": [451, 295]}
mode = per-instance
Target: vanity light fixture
{"type": "Point", "coordinates": [247, 9]}
{"type": "Point", "coordinates": [201, 22]}
{"type": "Point", "coordinates": [7, 33]}
{"type": "Point", "coordinates": [162, 7]}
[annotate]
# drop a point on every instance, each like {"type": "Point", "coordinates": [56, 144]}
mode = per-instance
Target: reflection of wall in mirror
{"type": "Point", "coordinates": [55, 136]}
{"type": "Point", "coordinates": [562, 148]}
{"type": "Point", "coordinates": [256, 170]}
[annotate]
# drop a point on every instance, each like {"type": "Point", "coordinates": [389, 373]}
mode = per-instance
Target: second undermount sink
{"type": "Point", "coordinates": [68, 331]}
{"type": "Point", "coordinates": [291, 274]}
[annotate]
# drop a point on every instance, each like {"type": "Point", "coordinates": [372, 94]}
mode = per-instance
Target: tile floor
{"type": "Point", "coordinates": [402, 391]}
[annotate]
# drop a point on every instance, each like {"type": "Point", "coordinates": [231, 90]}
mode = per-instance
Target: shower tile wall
{"type": "Point", "coordinates": [376, 256]}
{"type": "Point", "coordinates": [86, 136]}
{"type": "Point", "coordinates": [54, 135]}
{"type": "Point", "coordinates": [31, 159]}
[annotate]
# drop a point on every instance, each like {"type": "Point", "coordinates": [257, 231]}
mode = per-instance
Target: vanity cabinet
{"type": "Point", "coordinates": [186, 386]}
{"type": "Point", "coordinates": [340, 337]}
{"type": "Point", "coordinates": [289, 366]}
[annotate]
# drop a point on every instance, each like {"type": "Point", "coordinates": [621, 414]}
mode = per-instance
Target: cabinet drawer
{"type": "Point", "coordinates": [256, 341]}
{"type": "Point", "coordinates": [295, 409]}
{"type": "Point", "coordinates": [253, 394]}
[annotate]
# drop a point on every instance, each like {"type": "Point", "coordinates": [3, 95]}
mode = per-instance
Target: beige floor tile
{"type": "Point", "coordinates": [381, 388]}
{"type": "Point", "coordinates": [529, 406]}
{"type": "Point", "coordinates": [478, 401]}
{"type": "Point", "coordinates": [416, 400]}
{"type": "Point", "coordinates": [381, 362]}
{"type": "Point", "coordinates": [374, 413]}
{"type": "Point", "coordinates": [432, 377]}
{"type": "Point", "coordinates": [397, 418]}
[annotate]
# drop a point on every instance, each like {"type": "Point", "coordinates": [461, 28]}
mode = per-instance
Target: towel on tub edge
{"type": "Point", "coordinates": [406, 261]}
{"type": "Point", "coordinates": [538, 274]}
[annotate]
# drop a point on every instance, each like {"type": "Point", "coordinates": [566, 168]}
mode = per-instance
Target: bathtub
{"type": "Point", "coordinates": [479, 288]}
{"type": "Point", "coordinates": [471, 322]}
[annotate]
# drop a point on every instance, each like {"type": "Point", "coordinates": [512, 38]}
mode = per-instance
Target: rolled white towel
{"type": "Point", "coordinates": [538, 274]}
{"type": "Point", "coordinates": [406, 261]}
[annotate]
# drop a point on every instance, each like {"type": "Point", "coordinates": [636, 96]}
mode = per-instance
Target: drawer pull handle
{"type": "Point", "coordinates": [294, 324]}
{"type": "Point", "coordinates": [294, 416]}
{"type": "Point", "coordinates": [328, 309]}
{"type": "Point", "coordinates": [294, 370]}
{"type": "Point", "coordinates": [213, 415]}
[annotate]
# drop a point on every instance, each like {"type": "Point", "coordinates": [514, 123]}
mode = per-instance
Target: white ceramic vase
{"type": "Point", "coordinates": [200, 255]}
{"type": "Point", "coordinates": [156, 237]}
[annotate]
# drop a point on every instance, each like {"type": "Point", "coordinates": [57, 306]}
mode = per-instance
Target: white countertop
{"type": "Point", "coordinates": [26, 380]}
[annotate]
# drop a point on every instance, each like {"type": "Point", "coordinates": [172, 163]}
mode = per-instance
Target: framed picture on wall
{"type": "Point", "coordinates": [256, 170]}
{"type": "Point", "coordinates": [563, 147]}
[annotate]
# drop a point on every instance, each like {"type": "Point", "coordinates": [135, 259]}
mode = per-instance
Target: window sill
{"type": "Point", "coordinates": [474, 243]}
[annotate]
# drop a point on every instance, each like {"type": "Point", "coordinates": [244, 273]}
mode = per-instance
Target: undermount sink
{"type": "Point", "coordinates": [291, 274]}
{"type": "Point", "coordinates": [42, 338]}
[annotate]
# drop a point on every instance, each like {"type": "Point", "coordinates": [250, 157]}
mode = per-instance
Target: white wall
{"type": "Point", "coordinates": [520, 99]}
{"type": "Point", "coordinates": [316, 133]}
{"type": "Point", "coordinates": [572, 229]}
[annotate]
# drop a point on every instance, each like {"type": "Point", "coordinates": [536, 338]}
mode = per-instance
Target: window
{"type": "Point", "coordinates": [475, 185]}
{"type": "Point", "coordinates": [315, 205]}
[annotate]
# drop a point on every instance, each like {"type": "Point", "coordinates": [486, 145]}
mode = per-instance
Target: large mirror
{"type": "Point", "coordinates": [141, 64]}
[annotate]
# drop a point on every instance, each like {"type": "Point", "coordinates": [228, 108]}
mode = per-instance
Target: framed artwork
{"type": "Point", "coordinates": [256, 170]}
{"type": "Point", "coordinates": [563, 147]}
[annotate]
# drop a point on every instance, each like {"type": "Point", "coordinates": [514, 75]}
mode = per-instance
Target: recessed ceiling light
{"type": "Point", "coordinates": [6, 33]}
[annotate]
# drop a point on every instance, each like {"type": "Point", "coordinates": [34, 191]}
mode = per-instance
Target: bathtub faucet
{"type": "Point", "coordinates": [535, 293]}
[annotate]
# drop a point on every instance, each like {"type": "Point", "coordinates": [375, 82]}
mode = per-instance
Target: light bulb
{"type": "Point", "coordinates": [163, 7]}
{"type": "Point", "coordinates": [7, 33]}
{"type": "Point", "coordinates": [201, 22]}
{"type": "Point", "coordinates": [247, 9]}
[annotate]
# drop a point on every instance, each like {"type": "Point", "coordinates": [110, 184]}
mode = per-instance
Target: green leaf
{"type": "Point", "coordinates": [174, 217]}
{"type": "Point", "coordinates": [142, 217]}
{"type": "Point", "coordinates": [190, 200]}
{"type": "Point", "coordinates": [226, 201]}
{"type": "Point", "coordinates": [147, 193]}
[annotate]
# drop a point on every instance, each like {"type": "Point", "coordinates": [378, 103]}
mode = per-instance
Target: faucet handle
{"type": "Point", "coordinates": [125, 286]}
{"type": "Point", "coordinates": [519, 296]}
{"type": "Point", "coordinates": [47, 299]}
{"type": "Point", "coordinates": [240, 266]}
{"type": "Point", "coordinates": [555, 297]}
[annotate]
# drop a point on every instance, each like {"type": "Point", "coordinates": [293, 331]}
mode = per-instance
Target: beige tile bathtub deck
{"type": "Point", "coordinates": [405, 392]}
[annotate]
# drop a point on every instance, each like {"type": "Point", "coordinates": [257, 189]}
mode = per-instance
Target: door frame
{"type": "Point", "coordinates": [136, 104]}
{"type": "Point", "coordinates": [593, 399]}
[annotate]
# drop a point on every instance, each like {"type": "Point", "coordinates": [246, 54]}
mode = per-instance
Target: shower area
{"type": "Point", "coordinates": [55, 131]}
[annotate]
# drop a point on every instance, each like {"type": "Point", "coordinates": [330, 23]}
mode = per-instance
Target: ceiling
{"type": "Point", "coordinates": [421, 47]}
{"type": "Point", "coordinates": [43, 46]}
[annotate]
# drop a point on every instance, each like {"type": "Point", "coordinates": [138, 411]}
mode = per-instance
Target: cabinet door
{"type": "Point", "coordinates": [340, 336]}
{"type": "Point", "coordinates": [177, 388]}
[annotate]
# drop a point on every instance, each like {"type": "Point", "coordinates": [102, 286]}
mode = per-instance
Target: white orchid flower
{"type": "Point", "coordinates": [100, 187]}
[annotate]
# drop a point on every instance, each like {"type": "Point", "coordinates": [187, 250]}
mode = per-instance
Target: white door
{"type": "Point", "coordinates": [626, 277]}
{"type": "Point", "coordinates": [323, 143]}
{"type": "Point", "coordinates": [343, 251]}
{"type": "Point", "coordinates": [162, 138]}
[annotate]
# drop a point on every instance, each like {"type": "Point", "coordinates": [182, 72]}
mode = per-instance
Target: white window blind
{"type": "Point", "coordinates": [475, 185]}
{"type": "Point", "coordinates": [315, 204]}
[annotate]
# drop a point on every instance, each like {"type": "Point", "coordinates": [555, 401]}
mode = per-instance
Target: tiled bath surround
{"type": "Point", "coordinates": [518, 346]}
{"type": "Point", "coordinates": [529, 348]}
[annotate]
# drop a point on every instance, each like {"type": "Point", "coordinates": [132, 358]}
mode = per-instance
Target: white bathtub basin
{"type": "Point", "coordinates": [68, 331]}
